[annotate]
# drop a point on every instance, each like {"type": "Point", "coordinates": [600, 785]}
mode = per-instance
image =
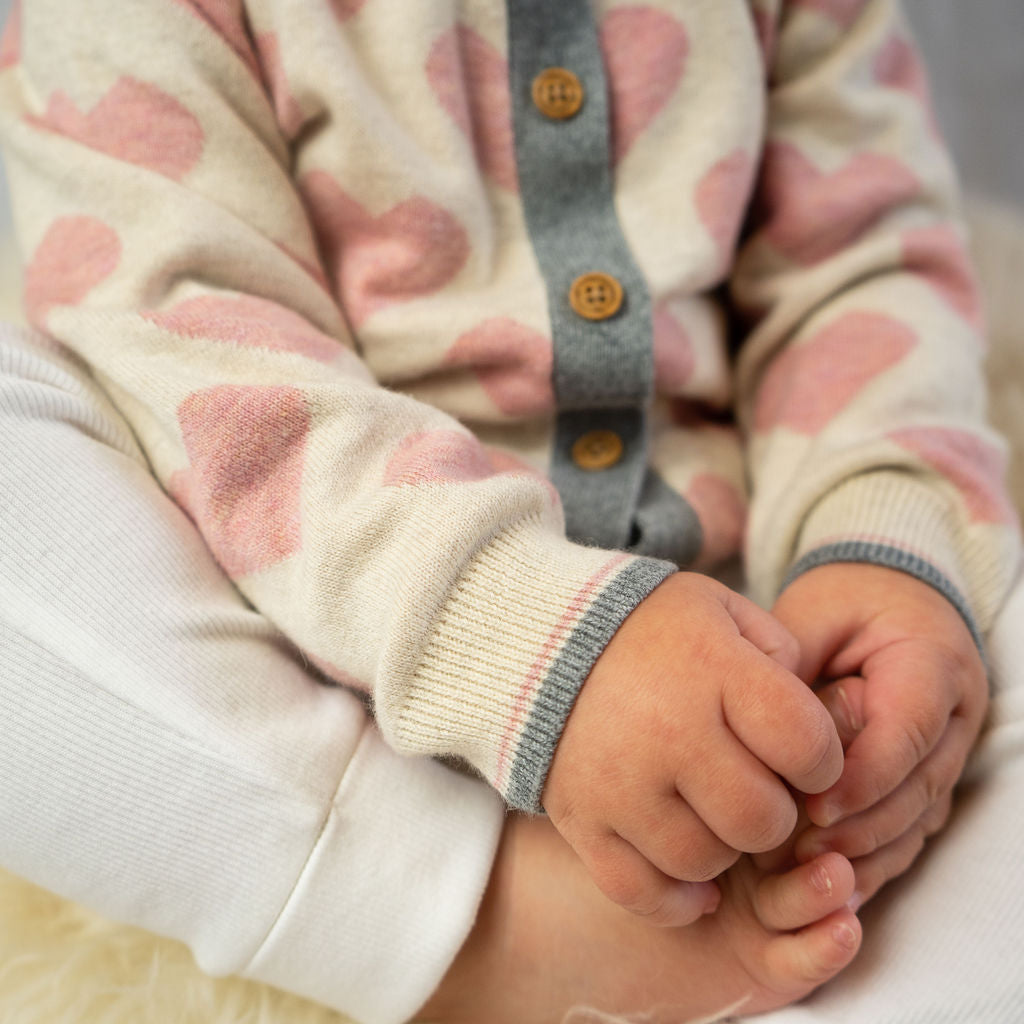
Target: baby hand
{"type": "Point", "coordinates": [670, 762]}
{"type": "Point", "coordinates": [909, 694]}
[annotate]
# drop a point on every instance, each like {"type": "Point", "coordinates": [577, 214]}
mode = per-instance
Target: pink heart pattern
{"type": "Point", "coordinates": [767, 32]}
{"type": "Point", "coordinates": [898, 66]}
{"type": "Point", "coordinates": [972, 466]}
{"type": "Point", "coordinates": [412, 250]}
{"type": "Point", "coordinates": [227, 19]}
{"type": "Point", "coordinates": [10, 41]}
{"type": "Point", "coordinates": [247, 452]}
{"type": "Point", "coordinates": [810, 215]}
{"type": "Point", "coordinates": [286, 107]}
{"type": "Point", "coordinates": [673, 352]}
{"type": "Point", "coordinates": [438, 456]}
{"type": "Point", "coordinates": [135, 122]}
{"type": "Point", "coordinates": [512, 363]}
{"type": "Point", "coordinates": [722, 513]}
{"type": "Point", "coordinates": [75, 255]}
{"type": "Point", "coordinates": [937, 254]}
{"type": "Point", "coordinates": [250, 322]}
{"type": "Point", "coordinates": [722, 196]}
{"type": "Point", "coordinates": [469, 77]}
{"type": "Point", "coordinates": [645, 53]}
{"type": "Point", "coordinates": [808, 386]}
{"type": "Point", "coordinates": [506, 462]}
{"type": "Point", "coordinates": [345, 9]}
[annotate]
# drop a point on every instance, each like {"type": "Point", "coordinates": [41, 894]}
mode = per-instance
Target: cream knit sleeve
{"type": "Point", "coordinates": [170, 762]}
{"type": "Point", "coordinates": [860, 383]}
{"type": "Point", "coordinates": [167, 244]}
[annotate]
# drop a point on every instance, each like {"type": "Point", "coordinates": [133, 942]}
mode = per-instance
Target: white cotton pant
{"type": "Point", "coordinates": [168, 760]}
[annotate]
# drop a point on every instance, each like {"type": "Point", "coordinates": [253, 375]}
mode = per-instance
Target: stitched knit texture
{"type": "Point", "coordinates": [293, 245]}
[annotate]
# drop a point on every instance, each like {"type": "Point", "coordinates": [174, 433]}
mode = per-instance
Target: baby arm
{"type": "Point", "coordinates": [908, 693]}
{"type": "Point", "coordinates": [164, 213]}
{"type": "Point", "coordinates": [673, 759]}
{"type": "Point", "coordinates": [862, 396]}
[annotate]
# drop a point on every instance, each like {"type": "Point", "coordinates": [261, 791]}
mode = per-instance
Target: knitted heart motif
{"type": "Point", "coordinates": [286, 108]}
{"type": "Point", "coordinates": [899, 66]}
{"type": "Point", "coordinates": [811, 214]}
{"type": "Point", "coordinates": [972, 466]}
{"type": "Point", "coordinates": [135, 122]}
{"type": "Point", "coordinates": [438, 456]}
{"type": "Point", "coordinates": [252, 323]}
{"type": "Point", "coordinates": [722, 513]}
{"type": "Point", "coordinates": [247, 451]}
{"type": "Point", "coordinates": [470, 80]}
{"type": "Point", "coordinates": [227, 19]}
{"type": "Point", "coordinates": [346, 8]}
{"type": "Point", "coordinates": [673, 352]}
{"type": "Point", "coordinates": [10, 41]}
{"type": "Point", "coordinates": [411, 250]}
{"type": "Point", "coordinates": [645, 53]}
{"type": "Point", "coordinates": [74, 256]}
{"type": "Point", "coordinates": [721, 199]}
{"type": "Point", "coordinates": [808, 386]}
{"type": "Point", "coordinates": [766, 27]}
{"type": "Point", "coordinates": [512, 363]}
{"type": "Point", "coordinates": [938, 255]}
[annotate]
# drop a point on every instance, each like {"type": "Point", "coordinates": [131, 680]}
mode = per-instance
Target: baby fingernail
{"type": "Point", "coordinates": [829, 814]}
{"type": "Point", "coordinates": [855, 902]}
{"type": "Point", "coordinates": [713, 900]}
{"type": "Point", "coordinates": [822, 881]}
{"type": "Point", "coordinates": [848, 713]}
{"type": "Point", "coordinates": [844, 936]}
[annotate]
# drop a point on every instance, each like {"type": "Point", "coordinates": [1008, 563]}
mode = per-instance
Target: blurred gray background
{"type": "Point", "coordinates": [975, 53]}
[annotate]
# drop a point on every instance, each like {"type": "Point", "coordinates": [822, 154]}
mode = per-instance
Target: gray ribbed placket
{"type": "Point", "coordinates": [603, 369]}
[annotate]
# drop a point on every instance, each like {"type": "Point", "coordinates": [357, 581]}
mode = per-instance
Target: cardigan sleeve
{"type": "Point", "coordinates": [860, 374]}
{"type": "Point", "coordinates": [167, 244]}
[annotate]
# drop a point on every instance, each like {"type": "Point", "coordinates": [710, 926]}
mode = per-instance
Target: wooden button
{"type": "Point", "coordinates": [557, 93]}
{"type": "Point", "coordinates": [596, 296]}
{"type": "Point", "coordinates": [597, 449]}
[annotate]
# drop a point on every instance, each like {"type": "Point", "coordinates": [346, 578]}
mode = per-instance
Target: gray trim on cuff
{"type": "Point", "coordinates": [891, 558]}
{"type": "Point", "coordinates": [565, 679]}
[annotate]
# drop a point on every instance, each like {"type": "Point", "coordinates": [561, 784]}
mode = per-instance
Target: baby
{"type": "Point", "coordinates": [434, 318]}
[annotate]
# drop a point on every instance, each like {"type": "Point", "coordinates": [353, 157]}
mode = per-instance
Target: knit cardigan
{"type": "Point", "coordinates": [325, 257]}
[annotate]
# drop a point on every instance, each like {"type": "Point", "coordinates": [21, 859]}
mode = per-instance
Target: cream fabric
{"type": "Point", "coordinates": [169, 759]}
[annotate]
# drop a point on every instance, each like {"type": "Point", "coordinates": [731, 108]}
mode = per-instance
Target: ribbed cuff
{"type": "Point", "coordinates": [890, 558]}
{"type": "Point", "coordinates": [390, 891]}
{"type": "Point", "coordinates": [890, 518]}
{"type": "Point", "coordinates": [511, 650]}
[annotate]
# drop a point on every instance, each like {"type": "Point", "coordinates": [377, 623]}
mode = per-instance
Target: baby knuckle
{"type": "Point", "coordinates": [563, 812]}
{"type": "Point", "coordinates": [932, 787]}
{"type": "Point", "coordinates": [627, 889]}
{"type": "Point", "coordinates": [934, 820]}
{"type": "Point", "coordinates": [818, 748]}
{"type": "Point", "coordinates": [787, 649]}
{"type": "Point", "coordinates": [769, 827]}
{"type": "Point", "coordinates": [920, 737]}
{"type": "Point", "coordinates": [705, 861]}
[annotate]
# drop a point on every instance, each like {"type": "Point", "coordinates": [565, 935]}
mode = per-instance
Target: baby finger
{"type": "Point", "coordinates": [629, 879]}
